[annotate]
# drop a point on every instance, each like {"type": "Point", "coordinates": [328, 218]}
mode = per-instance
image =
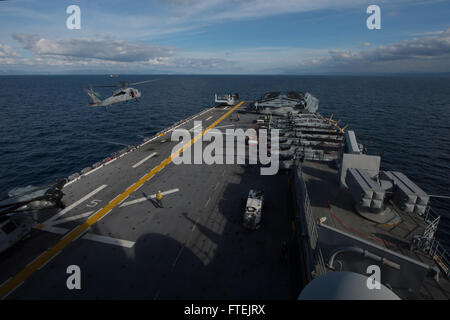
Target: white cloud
{"type": "Point", "coordinates": [430, 53]}
{"type": "Point", "coordinates": [104, 49]}
{"type": "Point", "coordinates": [417, 48]}
{"type": "Point", "coordinates": [257, 59]}
{"type": "Point", "coordinates": [429, 33]}
{"type": "Point", "coordinates": [99, 55]}
{"type": "Point", "coordinates": [7, 51]}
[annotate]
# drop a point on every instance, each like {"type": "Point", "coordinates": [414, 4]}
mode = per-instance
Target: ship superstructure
{"type": "Point", "coordinates": [352, 214]}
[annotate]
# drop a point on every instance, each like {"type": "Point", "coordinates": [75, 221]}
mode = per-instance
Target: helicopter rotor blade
{"type": "Point", "coordinates": [112, 86]}
{"type": "Point", "coordinates": [141, 82]}
{"type": "Point", "coordinates": [90, 86]}
{"type": "Point", "coordinates": [123, 84]}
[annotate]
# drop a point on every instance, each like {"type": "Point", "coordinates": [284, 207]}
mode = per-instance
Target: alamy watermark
{"type": "Point", "coordinates": [222, 146]}
{"type": "Point", "coordinates": [374, 280]}
{"type": "Point", "coordinates": [374, 20]}
{"type": "Point", "coordinates": [74, 20]}
{"type": "Point", "coordinates": [74, 280]}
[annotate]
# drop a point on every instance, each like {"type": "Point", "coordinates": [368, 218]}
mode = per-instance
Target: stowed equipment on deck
{"type": "Point", "coordinates": [253, 207]}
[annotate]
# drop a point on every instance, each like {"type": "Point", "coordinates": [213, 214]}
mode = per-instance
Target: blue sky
{"type": "Point", "coordinates": [225, 37]}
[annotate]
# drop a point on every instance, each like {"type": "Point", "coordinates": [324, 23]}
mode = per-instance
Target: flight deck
{"type": "Point", "coordinates": [194, 247]}
{"type": "Point", "coordinates": [330, 214]}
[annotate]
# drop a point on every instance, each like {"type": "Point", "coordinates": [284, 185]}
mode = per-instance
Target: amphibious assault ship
{"type": "Point", "coordinates": [329, 216]}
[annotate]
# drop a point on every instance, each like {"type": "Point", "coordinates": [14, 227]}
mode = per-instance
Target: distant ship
{"type": "Point", "coordinates": [113, 75]}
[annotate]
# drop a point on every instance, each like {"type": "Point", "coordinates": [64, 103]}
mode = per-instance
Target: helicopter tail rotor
{"type": "Point", "coordinates": [93, 95]}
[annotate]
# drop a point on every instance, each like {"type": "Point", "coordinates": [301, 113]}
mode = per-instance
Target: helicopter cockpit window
{"type": "Point", "coordinates": [121, 93]}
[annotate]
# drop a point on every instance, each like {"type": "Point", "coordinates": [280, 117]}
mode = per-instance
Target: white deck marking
{"type": "Point", "coordinates": [145, 159]}
{"type": "Point", "coordinates": [76, 217]}
{"type": "Point", "coordinates": [56, 230]}
{"type": "Point", "coordinates": [109, 240]}
{"type": "Point", "coordinates": [94, 237]}
{"type": "Point", "coordinates": [195, 127]}
{"type": "Point", "coordinates": [208, 118]}
{"type": "Point", "coordinates": [153, 196]}
{"type": "Point", "coordinates": [73, 205]}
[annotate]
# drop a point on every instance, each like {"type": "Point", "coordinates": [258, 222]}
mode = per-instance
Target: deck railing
{"type": "Point", "coordinates": [440, 255]}
{"type": "Point", "coordinates": [436, 251]}
{"type": "Point", "coordinates": [312, 229]}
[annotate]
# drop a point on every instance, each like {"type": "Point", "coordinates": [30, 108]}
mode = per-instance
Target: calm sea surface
{"type": "Point", "coordinates": [46, 132]}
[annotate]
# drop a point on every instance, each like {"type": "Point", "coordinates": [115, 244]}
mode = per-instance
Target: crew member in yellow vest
{"type": "Point", "coordinates": [159, 199]}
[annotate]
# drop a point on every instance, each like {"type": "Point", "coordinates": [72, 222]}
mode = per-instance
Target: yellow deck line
{"type": "Point", "coordinates": [43, 259]}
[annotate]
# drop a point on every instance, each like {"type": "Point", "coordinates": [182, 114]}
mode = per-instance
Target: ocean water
{"type": "Point", "coordinates": [46, 132]}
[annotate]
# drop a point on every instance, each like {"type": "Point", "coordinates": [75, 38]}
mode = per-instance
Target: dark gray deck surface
{"type": "Point", "coordinates": [193, 248]}
{"type": "Point", "coordinates": [321, 179]}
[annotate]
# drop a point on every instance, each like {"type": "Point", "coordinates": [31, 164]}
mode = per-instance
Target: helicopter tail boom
{"type": "Point", "coordinates": [94, 97]}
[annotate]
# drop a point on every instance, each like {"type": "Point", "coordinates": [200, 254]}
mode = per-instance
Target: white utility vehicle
{"type": "Point", "coordinates": [13, 229]}
{"type": "Point", "coordinates": [252, 216]}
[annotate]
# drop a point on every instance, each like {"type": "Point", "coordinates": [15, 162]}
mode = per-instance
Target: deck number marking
{"type": "Point", "coordinates": [94, 203]}
{"type": "Point", "coordinates": [73, 205]}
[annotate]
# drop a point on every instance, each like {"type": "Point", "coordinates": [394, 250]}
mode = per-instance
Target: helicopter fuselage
{"type": "Point", "coordinates": [121, 95]}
